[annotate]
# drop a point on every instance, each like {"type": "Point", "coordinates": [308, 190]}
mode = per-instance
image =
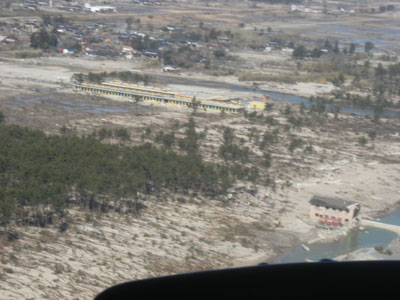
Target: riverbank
{"type": "Point", "coordinates": [391, 252]}
{"type": "Point", "coordinates": [325, 243]}
{"type": "Point", "coordinates": [367, 244]}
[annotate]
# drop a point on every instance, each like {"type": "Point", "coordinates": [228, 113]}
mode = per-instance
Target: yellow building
{"type": "Point", "coordinates": [257, 105]}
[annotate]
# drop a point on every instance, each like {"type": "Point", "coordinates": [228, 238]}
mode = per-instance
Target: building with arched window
{"type": "Point", "coordinates": [333, 212]}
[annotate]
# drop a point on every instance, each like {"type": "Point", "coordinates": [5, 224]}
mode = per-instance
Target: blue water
{"type": "Point", "coordinates": [356, 239]}
{"type": "Point", "coordinates": [381, 37]}
{"type": "Point", "coordinates": [285, 98]}
{"type": "Point", "coordinates": [290, 98]}
{"type": "Point", "coordinates": [92, 108]}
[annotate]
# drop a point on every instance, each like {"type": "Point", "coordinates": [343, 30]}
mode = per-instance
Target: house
{"type": "Point", "coordinates": [150, 53]}
{"type": "Point", "coordinates": [267, 49]}
{"type": "Point", "coordinates": [255, 46]}
{"type": "Point", "coordinates": [11, 39]}
{"type": "Point", "coordinates": [128, 49]}
{"type": "Point", "coordinates": [288, 50]}
{"type": "Point", "coordinates": [333, 212]}
{"type": "Point", "coordinates": [95, 9]}
{"type": "Point", "coordinates": [223, 38]}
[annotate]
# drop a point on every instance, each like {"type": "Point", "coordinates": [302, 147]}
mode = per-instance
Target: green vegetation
{"type": "Point", "coordinates": [126, 76]}
{"type": "Point", "coordinates": [295, 143]}
{"type": "Point", "coordinates": [28, 54]}
{"type": "Point", "coordinates": [43, 40]}
{"type": "Point", "coordinates": [362, 141]}
{"type": "Point", "coordinates": [382, 250]}
{"type": "Point", "coordinates": [229, 150]}
{"type": "Point", "coordinates": [48, 173]}
{"type": "Point", "coordinates": [368, 46]}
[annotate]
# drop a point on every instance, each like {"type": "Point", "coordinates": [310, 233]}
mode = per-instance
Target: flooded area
{"type": "Point", "coordinates": [69, 105]}
{"type": "Point", "coordinates": [356, 239]}
{"type": "Point", "coordinates": [247, 94]}
{"type": "Point", "coordinates": [55, 110]}
{"type": "Point", "coordinates": [381, 34]}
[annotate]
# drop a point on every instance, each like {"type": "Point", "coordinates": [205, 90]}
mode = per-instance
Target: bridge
{"type": "Point", "coordinates": [390, 227]}
{"type": "Point", "coordinates": [156, 95]}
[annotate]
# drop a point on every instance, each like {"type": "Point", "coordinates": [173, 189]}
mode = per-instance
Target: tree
{"type": "Point", "coordinates": [266, 162]}
{"type": "Point", "coordinates": [122, 134]}
{"type": "Point", "coordinates": [219, 53]}
{"type": "Point", "coordinates": [352, 48]}
{"type": "Point", "coordinates": [336, 47]}
{"type": "Point", "coordinates": [77, 77]}
{"type": "Point", "coordinates": [190, 142]}
{"type": "Point", "coordinates": [46, 19]}
{"type": "Point", "coordinates": [295, 143]}
{"type": "Point", "coordinates": [341, 78]}
{"type": "Point", "coordinates": [194, 105]}
{"type": "Point", "coordinates": [380, 72]}
{"type": "Point", "coordinates": [368, 46]}
{"type": "Point", "coordinates": [328, 45]}
{"type": "Point", "coordinates": [302, 108]}
{"type": "Point", "coordinates": [287, 110]}
{"type": "Point", "coordinates": [372, 134]}
{"type": "Point", "coordinates": [362, 141]}
{"type": "Point", "coordinates": [269, 106]}
{"type": "Point", "coordinates": [129, 22]}
{"type": "Point", "coordinates": [316, 53]}
{"type": "Point", "coordinates": [137, 99]}
{"type": "Point", "coordinates": [43, 40]}
{"type": "Point", "coordinates": [299, 52]}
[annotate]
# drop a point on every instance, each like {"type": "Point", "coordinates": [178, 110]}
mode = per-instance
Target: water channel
{"type": "Point", "coordinates": [356, 239]}
{"type": "Point", "coordinates": [284, 98]}
{"type": "Point", "coordinates": [290, 98]}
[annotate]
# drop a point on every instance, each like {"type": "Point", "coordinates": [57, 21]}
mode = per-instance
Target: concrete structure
{"type": "Point", "coordinates": [390, 227]}
{"type": "Point", "coordinates": [332, 212]}
{"type": "Point", "coordinates": [156, 95]}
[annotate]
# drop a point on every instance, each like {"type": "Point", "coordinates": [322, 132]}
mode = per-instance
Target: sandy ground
{"type": "Point", "coordinates": [31, 74]}
{"type": "Point", "coordinates": [173, 237]}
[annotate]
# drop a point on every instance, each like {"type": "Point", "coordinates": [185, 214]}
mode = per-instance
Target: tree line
{"type": "Point", "coordinates": [41, 173]}
{"type": "Point", "coordinates": [126, 76]}
{"type": "Point", "coordinates": [43, 39]}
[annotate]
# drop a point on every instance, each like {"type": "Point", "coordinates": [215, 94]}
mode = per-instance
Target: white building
{"type": "Point", "coordinates": [95, 9]}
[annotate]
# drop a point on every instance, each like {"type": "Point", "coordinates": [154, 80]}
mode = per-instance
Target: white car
{"type": "Point", "coordinates": [170, 69]}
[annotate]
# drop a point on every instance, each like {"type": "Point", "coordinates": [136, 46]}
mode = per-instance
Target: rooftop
{"type": "Point", "coordinates": [331, 202]}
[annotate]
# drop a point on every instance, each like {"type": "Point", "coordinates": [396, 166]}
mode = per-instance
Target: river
{"type": "Point", "coordinates": [356, 239]}
{"type": "Point", "coordinates": [284, 98]}
{"type": "Point", "coordinates": [290, 98]}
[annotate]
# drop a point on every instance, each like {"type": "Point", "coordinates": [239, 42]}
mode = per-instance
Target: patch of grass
{"type": "Point", "coordinates": [382, 250]}
{"type": "Point", "coordinates": [245, 242]}
{"type": "Point", "coordinates": [288, 77]}
{"type": "Point", "coordinates": [28, 54]}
